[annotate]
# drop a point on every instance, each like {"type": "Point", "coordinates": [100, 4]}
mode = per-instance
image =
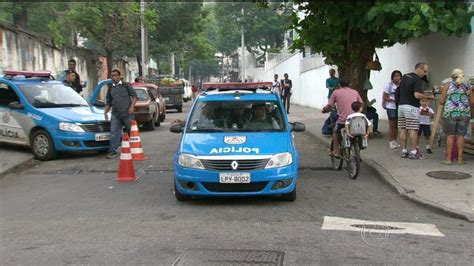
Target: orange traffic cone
{"type": "Point", "coordinates": [136, 144]}
{"type": "Point", "coordinates": [126, 171]}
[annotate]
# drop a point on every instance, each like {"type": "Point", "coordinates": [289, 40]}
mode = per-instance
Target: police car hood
{"type": "Point", "coordinates": [78, 114]}
{"type": "Point", "coordinates": [241, 143]}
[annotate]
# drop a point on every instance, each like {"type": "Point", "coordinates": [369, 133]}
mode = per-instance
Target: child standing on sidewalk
{"type": "Point", "coordinates": [426, 113]}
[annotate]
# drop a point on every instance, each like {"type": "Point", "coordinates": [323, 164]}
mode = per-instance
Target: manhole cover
{"type": "Point", "coordinates": [229, 257]}
{"type": "Point", "coordinates": [376, 227]}
{"type": "Point", "coordinates": [448, 175]}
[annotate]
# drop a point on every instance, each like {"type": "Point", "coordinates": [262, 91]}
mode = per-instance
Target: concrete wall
{"type": "Point", "coordinates": [309, 74]}
{"type": "Point", "coordinates": [25, 50]}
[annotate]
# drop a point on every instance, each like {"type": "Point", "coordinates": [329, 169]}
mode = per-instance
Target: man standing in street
{"type": "Point", "coordinates": [276, 86]}
{"type": "Point", "coordinates": [121, 97]}
{"type": "Point", "coordinates": [286, 92]}
{"type": "Point", "coordinates": [77, 81]}
{"type": "Point", "coordinates": [69, 79]}
{"type": "Point", "coordinates": [409, 95]}
{"type": "Point", "coordinates": [332, 82]}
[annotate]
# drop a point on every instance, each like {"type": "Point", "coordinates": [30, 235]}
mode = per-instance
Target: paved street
{"type": "Point", "coordinates": [72, 211]}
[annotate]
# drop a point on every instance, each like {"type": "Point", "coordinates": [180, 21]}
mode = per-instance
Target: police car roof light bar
{"type": "Point", "coordinates": [28, 74]}
{"type": "Point", "coordinates": [249, 86]}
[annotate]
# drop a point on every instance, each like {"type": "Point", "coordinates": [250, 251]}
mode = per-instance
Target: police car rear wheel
{"type": "Point", "coordinates": [289, 196]}
{"type": "Point", "coordinates": [42, 146]}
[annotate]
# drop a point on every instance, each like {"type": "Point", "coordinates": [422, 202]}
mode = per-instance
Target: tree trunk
{"type": "Point", "coordinates": [108, 54]}
{"type": "Point", "coordinates": [20, 18]}
{"type": "Point", "coordinates": [357, 73]}
{"type": "Point", "coordinates": [140, 68]}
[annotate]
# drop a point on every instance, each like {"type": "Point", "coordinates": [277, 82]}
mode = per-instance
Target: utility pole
{"type": "Point", "coordinates": [242, 44]}
{"type": "Point", "coordinates": [144, 40]}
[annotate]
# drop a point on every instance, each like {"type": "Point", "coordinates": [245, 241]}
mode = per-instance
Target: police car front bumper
{"type": "Point", "coordinates": [200, 182]}
{"type": "Point", "coordinates": [80, 141]}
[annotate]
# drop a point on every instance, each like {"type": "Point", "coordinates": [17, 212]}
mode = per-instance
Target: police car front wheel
{"type": "Point", "coordinates": [42, 146]}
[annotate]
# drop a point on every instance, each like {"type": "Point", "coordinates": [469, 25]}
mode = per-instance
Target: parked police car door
{"type": "Point", "coordinates": [12, 114]}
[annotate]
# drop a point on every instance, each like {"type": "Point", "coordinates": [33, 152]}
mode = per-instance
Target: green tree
{"type": "Point", "coordinates": [264, 28]}
{"type": "Point", "coordinates": [110, 25]}
{"type": "Point", "coordinates": [347, 33]}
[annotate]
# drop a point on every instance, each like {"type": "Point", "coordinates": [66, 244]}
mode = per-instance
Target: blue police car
{"type": "Point", "coordinates": [237, 141]}
{"type": "Point", "coordinates": [42, 113]}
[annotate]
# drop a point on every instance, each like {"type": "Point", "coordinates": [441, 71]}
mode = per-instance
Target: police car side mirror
{"type": "Point", "coordinates": [16, 105]}
{"type": "Point", "coordinates": [99, 104]}
{"type": "Point", "coordinates": [176, 128]}
{"type": "Point", "coordinates": [298, 127]}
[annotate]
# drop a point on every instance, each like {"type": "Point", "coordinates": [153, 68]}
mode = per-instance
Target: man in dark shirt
{"type": "Point", "coordinates": [121, 97]}
{"type": "Point", "coordinates": [409, 94]}
{"type": "Point", "coordinates": [72, 68]}
{"type": "Point", "coordinates": [69, 79]}
{"type": "Point", "coordinates": [287, 86]}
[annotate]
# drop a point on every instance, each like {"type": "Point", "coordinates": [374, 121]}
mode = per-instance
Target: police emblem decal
{"type": "Point", "coordinates": [235, 139]}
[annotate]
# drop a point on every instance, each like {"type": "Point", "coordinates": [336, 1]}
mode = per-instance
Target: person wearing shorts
{"type": "Point", "coordinates": [426, 113]}
{"type": "Point", "coordinates": [389, 104]}
{"type": "Point", "coordinates": [409, 95]}
{"type": "Point", "coordinates": [456, 96]}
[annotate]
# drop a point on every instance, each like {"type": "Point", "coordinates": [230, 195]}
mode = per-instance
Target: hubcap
{"type": "Point", "coordinates": [41, 145]}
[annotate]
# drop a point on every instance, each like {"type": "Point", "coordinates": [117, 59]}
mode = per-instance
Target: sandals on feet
{"type": "Point", "coordinates": [446, 162]}
{"type": "Point", "coordinates": [333, 154]}
{"type": "Point", "coordinates": [461, 162]}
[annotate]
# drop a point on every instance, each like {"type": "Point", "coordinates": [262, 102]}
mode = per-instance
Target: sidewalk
{"type": "Point", "coordinates": [407, 177]}
{"type": "Point", "coordinates": [13, 157]}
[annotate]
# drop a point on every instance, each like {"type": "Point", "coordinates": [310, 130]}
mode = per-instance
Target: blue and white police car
{"type": "Point", "coordinates": [236, 141]}
{"type": "Point", "coordinates": [42, 113]}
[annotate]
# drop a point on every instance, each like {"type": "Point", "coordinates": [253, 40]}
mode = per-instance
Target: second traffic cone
{"type": "Point", "coordinates": [126, 171]}
{"type": "Point", "coordinates": [136, 143]}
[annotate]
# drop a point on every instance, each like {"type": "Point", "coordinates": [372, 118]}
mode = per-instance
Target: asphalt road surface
{"type": "Point", "coordinates": [72, 211]}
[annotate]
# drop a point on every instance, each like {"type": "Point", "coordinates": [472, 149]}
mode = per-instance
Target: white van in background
{"type": "Point", "coordinates": [188, 93]}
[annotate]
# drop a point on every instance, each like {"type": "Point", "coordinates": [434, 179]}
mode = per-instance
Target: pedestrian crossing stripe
{"type": "Point", "coordinates": [379, 227]}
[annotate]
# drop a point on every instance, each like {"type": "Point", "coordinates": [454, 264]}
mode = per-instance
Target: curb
{"type": "Point", "coordinates": [12, 168]}
{"type": "Point", "coordinates": [382, 174]}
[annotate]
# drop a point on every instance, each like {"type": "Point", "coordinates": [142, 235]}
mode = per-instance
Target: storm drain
{"type": "Point", "coordinates": [229, 257]}
{"type": "Point", "coordinates": [448, 175]}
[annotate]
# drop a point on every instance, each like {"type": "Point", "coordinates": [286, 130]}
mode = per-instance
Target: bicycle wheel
{"type": "Point", "coordinates": [353, 160]}
{"type": "Point", "coordinates": [336, 161]}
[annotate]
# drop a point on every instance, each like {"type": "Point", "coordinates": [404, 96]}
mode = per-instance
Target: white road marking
{"type": "Point", "coordinates": [345, 224]}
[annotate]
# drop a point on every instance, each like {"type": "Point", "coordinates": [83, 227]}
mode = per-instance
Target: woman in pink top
{"type": "Point", "coordinates": [342, 98]}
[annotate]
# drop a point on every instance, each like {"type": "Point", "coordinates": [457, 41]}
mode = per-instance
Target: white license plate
{"type": "Point", "coordinates": [234, 178]}
{"type": "Point", "coordinates": [102, 136]}
{"type": "Point", "coordinates": [166, 98]}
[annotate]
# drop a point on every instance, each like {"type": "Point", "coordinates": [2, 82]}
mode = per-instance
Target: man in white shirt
{"type": "Point", "coordinates": [276, 87]}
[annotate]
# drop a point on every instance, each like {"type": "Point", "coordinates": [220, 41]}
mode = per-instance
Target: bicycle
{"type": "Point", "coordinates": [349, 151]}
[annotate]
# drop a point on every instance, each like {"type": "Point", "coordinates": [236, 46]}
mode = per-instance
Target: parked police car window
{"type": "Point", "coordinates": [236, 116]}
{"type": "Point", "coordinates": [7, 95]}
{"type": "Point", "coordinates": [51, 95]}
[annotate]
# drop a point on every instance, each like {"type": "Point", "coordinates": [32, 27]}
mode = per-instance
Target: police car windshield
{"type": "Point", "coordinates": [242, 116]}
{"type": "Point", "coordinates": [50, 95]}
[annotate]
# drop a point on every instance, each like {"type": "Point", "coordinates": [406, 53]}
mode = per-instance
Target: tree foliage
{"type": "Point", "coordinates": [109, 24]}
{"type": "Point", "coordinates": [346, 33]}
{"type": "Point", "coordinates": [264, 28]}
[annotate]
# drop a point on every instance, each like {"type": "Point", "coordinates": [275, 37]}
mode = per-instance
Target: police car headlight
{"type": "Point", "coordinates": [190, 161]}
{"type": "Point", "coordinates": [280, 160]}
{"type": "Point", "coordinates": [70, 127]}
